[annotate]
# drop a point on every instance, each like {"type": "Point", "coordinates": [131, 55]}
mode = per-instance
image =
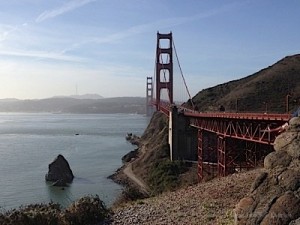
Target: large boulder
{"type": "Point", "coordinates": [274, 197]}
{"type": "Point", "coordinates": [59, 172]}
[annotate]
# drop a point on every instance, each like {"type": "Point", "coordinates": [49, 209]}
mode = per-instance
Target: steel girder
{"type": "Point", "coordinates": [249, 130]}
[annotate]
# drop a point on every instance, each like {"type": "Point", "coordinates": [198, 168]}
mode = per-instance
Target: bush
{"type": "Point", "coordinates": [130, 193]}
{"type": "Point", "coordinates": [164, 175]}
{"type": "Point", "coordinates": [35, 214]}
{"type": "Point", "coordinates": [85, 211]}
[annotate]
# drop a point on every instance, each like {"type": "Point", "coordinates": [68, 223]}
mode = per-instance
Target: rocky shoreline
{"type": "Point", "coordinates": [131, 190]}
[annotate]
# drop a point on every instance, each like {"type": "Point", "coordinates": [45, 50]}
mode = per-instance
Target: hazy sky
{"type": "Point", "coordinates": [48, 47]}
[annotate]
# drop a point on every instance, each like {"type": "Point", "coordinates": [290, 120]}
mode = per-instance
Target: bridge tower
{"type": "Point", "coordinates": [149, 96]}
{"type": "Point", "coordinates": [164, 67]}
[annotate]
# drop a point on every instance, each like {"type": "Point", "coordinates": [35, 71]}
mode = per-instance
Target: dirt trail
{"type": "Point", "coordinates": [129, 173]}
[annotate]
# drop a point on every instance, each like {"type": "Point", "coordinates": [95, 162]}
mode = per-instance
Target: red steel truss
{"type": "Point", "coordinates": [255, 127]}
{"type": "Point", "coordinates": [200, 154]}
{"type": "Point", "coordinates": [221, 156]}
{"type": "Point", "coordinates": [242, 138]}
{"type": "Point", "coordinates": [233, 130]}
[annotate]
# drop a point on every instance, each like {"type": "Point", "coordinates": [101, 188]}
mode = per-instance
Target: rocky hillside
{"type": "Point", "coordinates": [261, 91]}
{"type": "Point", "coordinates": [209, 203]}
{"type": "Point", "coordinates": [274, 195]}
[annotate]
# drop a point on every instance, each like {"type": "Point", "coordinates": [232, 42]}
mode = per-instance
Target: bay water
{"type": "Point", "coordinates": [93, 144]}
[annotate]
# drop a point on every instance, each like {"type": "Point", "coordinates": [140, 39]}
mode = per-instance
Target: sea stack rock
{"type": "Point", "coordinates": [274, 197]}
{"type": "Point", "coordinates": [59, 172]}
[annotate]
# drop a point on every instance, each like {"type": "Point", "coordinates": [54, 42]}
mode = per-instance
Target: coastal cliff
{"type": "Point", "coordinates": [148, 169]}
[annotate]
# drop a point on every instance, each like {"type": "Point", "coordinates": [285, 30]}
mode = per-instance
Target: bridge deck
{"type": "Point", "coordinates": [242, 116]}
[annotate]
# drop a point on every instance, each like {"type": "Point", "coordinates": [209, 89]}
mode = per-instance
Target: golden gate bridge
{"type": "Point", "coordinates": [220, 142]}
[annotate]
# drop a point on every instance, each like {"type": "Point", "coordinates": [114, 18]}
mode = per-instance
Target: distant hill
{"type": "Point", "coordinates": [73, 105]}
{"type": "Point", "coordinates": [85, 96]}
{"type": "Point", "coordinates": [9, 100]}
{"type": "Point", "coordinates": [261, 91]}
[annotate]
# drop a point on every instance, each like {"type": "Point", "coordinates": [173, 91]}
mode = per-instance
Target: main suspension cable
{"type": "Point", "coordinates": [186, 87]}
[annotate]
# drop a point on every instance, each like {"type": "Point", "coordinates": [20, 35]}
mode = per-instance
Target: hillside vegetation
{"type": "Point", "coordinates": [265, 90]}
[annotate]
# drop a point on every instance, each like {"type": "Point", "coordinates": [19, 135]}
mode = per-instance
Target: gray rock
{"type": "Point", "coordinates": [59, 171]}
{"type": "Point", "coordinates": [258, 181]}
{"type": "Point", "coordinates": [294, 124]}
{"type": "Point", "coordinates": [293, 149]}
{"type": "Point", "coordinates": [274, 197]}
{"type": "Point", "coordinates": [60, 183]}
{"type": "Point", "coordinates": [295, 222]}
{"type": "Point", "coordinates": [283, 140]}
{"type": "Point", "coordinates": [283, 211]}
{"type": "Point", "coordinates": [290, 179]}
{"type": "Point", "coordinates": [277, 159]}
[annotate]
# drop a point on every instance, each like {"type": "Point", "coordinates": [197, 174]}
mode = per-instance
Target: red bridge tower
{"type": "Point", "coordinates": [164, 67]}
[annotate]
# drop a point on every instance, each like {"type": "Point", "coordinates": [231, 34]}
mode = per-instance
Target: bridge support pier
{"type": "Point", "coordinates": [200, 155]}
{"type": "Point", "coordinates": [221, 147]}
{"type": "Point", "coordinates": [219, 155]}
{"type": "Point", "coordinates": [182, 137]}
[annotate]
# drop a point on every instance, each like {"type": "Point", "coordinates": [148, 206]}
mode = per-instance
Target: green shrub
{"type": "Point", "coordinates": [34, 214]}
{"type": "Point", "coordinates": [130, 193]}
{"type": "Point", "coordinates": [164, 175]}
{"type": "Point", "coordinates": [85, 211]}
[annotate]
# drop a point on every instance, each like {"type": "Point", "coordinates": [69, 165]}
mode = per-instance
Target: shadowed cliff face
{"type": "Point", "coordinates": [154, 145]}
{"type": "Point", "coordinates": [274, 197]}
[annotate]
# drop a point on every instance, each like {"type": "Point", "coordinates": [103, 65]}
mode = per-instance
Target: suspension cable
{"type": "Point", "coordinates": [186, 87]}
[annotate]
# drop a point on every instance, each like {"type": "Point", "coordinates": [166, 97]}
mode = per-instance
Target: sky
{"type": "Point", "coordinates": [107, 47]}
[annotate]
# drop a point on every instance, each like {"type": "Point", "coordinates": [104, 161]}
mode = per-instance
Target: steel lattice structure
{"type": "Point", "coordinates": [248, 127]}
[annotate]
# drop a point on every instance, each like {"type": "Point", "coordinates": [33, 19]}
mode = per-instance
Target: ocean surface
{"type": "Point", "coordinates": [29, 142]}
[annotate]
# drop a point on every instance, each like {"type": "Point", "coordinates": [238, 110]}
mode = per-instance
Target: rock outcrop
{"type": "Point", "coordinates": [274, 197]}
{"type": "Point", "coordinates": [59, 172]}
{"type": "Point", "coordinates": [133, 139]}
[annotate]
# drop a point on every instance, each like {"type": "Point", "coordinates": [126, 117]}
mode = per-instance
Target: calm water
{"type": "Point", "coordinates": [29, 142]}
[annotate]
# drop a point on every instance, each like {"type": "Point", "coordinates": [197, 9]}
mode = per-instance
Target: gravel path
{"type": "Point", "coordinates": [141, 184]}
{"type": "Point", "coordinates": [206, 203]}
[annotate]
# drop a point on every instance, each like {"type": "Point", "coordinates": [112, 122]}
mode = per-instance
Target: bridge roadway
{"type": "Point", "coordinates": [260, 129]}
{"type": "Point", "coordinates": [255, 127]}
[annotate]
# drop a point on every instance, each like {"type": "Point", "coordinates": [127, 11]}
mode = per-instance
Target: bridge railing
{"type": "Point", "coordinates": [249, 116]}
{"type": "Point", "coordinates": [164, 106]}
